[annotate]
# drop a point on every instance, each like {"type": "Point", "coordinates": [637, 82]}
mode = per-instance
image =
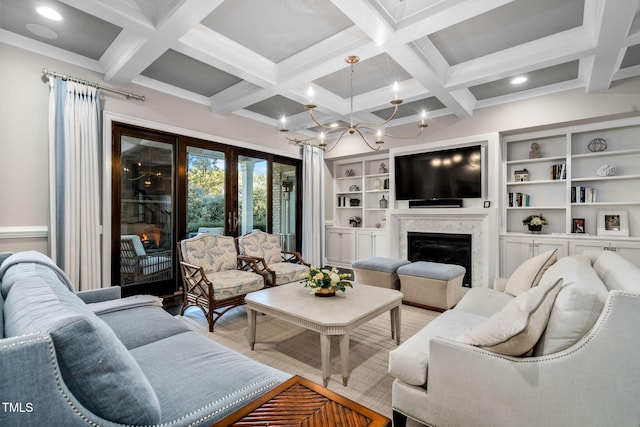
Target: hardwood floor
{"type": "Point", "coordinates": [172, 304]}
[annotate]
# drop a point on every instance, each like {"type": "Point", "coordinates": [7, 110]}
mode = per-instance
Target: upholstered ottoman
{"type": "Point", "coordinates": [378, 271]}
{"type": "Point", "coordinates": [431, 285]}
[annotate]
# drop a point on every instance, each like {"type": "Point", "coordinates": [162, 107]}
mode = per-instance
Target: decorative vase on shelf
{"type": "Point", "coordinates": [535, 228]}
{"type": "Point", "coordinates": [383, 203]}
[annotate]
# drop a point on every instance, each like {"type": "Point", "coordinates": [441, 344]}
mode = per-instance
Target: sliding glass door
{"type": "Point", "coordinates": [253, 207]}
{"type": "Point", "coordinates": [143, 222]}
{"type": "Point", "coordinates": [206, 190]}
{"type": "Point", "coordinates": [168, 187]}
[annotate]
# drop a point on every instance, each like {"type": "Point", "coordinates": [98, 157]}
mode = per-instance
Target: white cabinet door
{"type": "Point", "coordinates": [515, 250]}
{"type": "Point", "coordinates": [364, 241]}
{"type": "Point", "coordinates": [628, 250]}
{"type": "Point", "coordinates": [380, 243]}
{"type": "Point", "coordinates": [371, 243]}
{"type": "Point", "coordinates": [340, 247]}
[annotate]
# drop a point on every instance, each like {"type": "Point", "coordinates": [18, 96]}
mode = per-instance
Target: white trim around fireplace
{"type": "Point", "coordinates": [480, 223]}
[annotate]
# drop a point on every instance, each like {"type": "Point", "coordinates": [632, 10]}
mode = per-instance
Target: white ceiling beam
{"type": "Point", "coordinates": [238, 97]}
{"type": "Point", "coordinates": [609, 22]}
{"type": "Point", "coordinates": [220, 52]}
{"type": "Point", "coordinates": [551, 50]}
{"type": "Point", "coordinates": [188, 14]}
{"type": "Point", "coordinates": [170, 90]}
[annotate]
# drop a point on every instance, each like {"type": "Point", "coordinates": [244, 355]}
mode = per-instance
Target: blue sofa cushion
{"type": "Point", "coordinates": [382, 264]}
{"type": "Point", "coordinates": [94, 364]}
{"type": "Point", "coordinates": [206, 391]}
{"type": "Point", "coordinates": [146, 321]}
{"type": "Point", "coordinates": [432, 270]}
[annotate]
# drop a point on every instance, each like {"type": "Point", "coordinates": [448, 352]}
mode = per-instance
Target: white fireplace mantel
{"type": "Point", "coordinates": [480, 223]}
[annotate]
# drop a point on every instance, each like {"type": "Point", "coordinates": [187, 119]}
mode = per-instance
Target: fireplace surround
{"type": "Point", "coordinates": [479, 223]}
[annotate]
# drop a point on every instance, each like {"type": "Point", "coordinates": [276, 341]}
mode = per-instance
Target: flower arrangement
{"type": "Point", "coordinates": [355, 221]}
{"type": "Point", "coordinates": [535, 219]}
{"type": "Point", "coordinates": [326, 279]}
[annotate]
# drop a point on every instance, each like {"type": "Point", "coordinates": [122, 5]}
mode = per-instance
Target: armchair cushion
{"type": "Point", "coordinates": [94, 364]}
{"type": "Point", "coordinates": [529, 273]}
{"type": "Point", "coordinates": [287, 272]}
{"type": "Point", "coordinates": [516, 328]}
{"type": "Point", "coordinates": [231, 283]}
{"type": "Point", "coordinates": [261, 245]}
{"type": "Point", "coordinates": [212, 252]}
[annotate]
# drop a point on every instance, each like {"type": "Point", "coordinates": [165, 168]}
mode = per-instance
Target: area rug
{"type": "Point", "coordinates": [297, 351]}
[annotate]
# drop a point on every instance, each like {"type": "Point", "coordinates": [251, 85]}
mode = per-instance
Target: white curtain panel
{"type": "Point", "coordinates": [312, 204]}
{"type": "Point", "coordinates": [74, 147]}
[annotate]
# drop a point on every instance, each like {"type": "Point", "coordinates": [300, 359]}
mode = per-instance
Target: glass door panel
{"type": "Point", "coordinates": [284, 184]}
{"type": "Point", "coordinates": [146, 211]}
{"type": "Point", "coordinates": [205, 191]}
{"type": "Point", "coordinates": [252, 195]}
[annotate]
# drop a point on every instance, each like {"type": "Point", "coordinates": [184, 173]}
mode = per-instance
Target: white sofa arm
{"type": "Point", "coordinates": [594, 382]}
{"type": "Point", "coordinates": [500, 283]}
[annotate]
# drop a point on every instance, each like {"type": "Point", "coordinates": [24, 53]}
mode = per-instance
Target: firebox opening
{"type": "Point", "coordinates": [442, 247]}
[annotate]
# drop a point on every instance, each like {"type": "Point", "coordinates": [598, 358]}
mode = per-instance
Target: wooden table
{"type": "Point", "coordinates": [299, 401]}
{"type": "Point", "coordinates": [336, 315]}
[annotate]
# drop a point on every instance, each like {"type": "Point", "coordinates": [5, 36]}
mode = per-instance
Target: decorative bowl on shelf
{"type": "Point", "coordinates": [597, 144]}
{"type": "Point", "coordinates": [606, 170]}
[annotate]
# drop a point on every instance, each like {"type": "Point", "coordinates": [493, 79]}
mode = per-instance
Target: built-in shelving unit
{"type": "Point", "coordinates": [558, 197]}
{"type": "Point", "coordinates": [359, 186]}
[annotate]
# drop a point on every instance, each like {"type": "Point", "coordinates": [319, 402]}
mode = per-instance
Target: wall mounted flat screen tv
{"type": "Point", "coordinates": [445, 174]}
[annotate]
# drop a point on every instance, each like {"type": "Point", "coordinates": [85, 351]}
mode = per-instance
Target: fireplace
{"type": "Point", "coordinates": [445, 248]}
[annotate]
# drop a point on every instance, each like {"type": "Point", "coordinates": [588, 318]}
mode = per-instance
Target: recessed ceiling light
{"type": "Point", "coordinates": [49, 13]}
{"type": "Point", "coordinates": [42, 31]}
{"type": "Point", "coordinates": [519, 80]}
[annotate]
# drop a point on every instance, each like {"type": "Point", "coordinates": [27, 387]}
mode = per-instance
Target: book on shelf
{"type": "Point", "coordinates": [583, 194]}
{"type": "Point", "coordinates": [518, 200]}
{"type": "Point", "coordinates": [558, 171]}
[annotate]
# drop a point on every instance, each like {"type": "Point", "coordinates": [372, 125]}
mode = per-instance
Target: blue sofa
{"type": "Point", "coordinates": [91, 358]}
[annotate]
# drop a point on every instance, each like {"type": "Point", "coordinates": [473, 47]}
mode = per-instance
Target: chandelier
{"type": "Point", "coordinates": [352, 127]}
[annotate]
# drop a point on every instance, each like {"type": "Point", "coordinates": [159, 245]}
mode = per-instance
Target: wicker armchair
{"type": "Point", "coordinates": [267, 258]}
{"type": "Point", "coordinates": [215, 278]}
{"type": "Point", "coordinates": [138, 266]}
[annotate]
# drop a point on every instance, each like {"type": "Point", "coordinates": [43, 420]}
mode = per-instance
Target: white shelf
{"type": "Point", "coordinates": [540, 181]}
{"type": "Point", "coordinates": [538, 160]}
{"type": "Point", "coordinates": [522, 208]}
{"type": "Point", "coordinates": [606, 204]}
{"type": "Point", "coordinates": [607, 153]}
{"type": "Point", "coordinates": [605, 178]}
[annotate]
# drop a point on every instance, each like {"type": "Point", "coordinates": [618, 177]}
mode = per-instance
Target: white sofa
{"type": "Point", "coordinates": [563, 353]}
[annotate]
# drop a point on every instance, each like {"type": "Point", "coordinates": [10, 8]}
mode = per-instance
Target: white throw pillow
{"type": "Point", "coordinates": [516, 328]}
{"type": "Point", "coordinates": [577, 306]}
{"type": "Point", "coordinates": [529, 273]}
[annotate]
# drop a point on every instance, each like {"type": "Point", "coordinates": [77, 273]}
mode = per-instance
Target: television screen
{"type": "Point", "coordinates": [445, 174]}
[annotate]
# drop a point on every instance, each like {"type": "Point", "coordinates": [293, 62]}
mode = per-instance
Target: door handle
{"type": "Point", "coordinates": [235, 221]}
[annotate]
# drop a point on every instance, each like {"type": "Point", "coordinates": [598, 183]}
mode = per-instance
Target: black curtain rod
{"type": "Point", "coordinates": [96, 85]}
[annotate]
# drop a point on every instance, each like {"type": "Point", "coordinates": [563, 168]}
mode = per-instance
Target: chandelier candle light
{"type": "Point", "coordinates": [352, 127]}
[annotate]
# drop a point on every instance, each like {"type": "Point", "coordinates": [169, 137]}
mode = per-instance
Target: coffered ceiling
{"type": "Point", "coordinates": [258, 58]}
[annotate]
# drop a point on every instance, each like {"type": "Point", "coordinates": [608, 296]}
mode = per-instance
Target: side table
{"type": "Point", "coordinates": [299, 401]}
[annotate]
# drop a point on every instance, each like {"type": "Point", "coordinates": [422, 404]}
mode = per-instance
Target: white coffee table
{"type": "Point", "coordinates": [328, 316]}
